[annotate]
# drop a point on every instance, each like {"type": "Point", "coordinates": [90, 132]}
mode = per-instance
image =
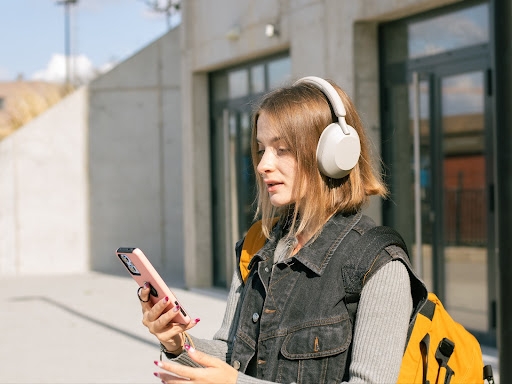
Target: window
{"type": "Point", "coordinates": [460, 29]}
{"type": "Point", "coordinates": [422, 37]}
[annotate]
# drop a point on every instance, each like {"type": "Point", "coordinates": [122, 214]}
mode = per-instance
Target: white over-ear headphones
{"type": "Point", "coordinates": [339, 147]}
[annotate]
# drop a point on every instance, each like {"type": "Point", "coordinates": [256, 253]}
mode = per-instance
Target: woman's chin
{"type": "Point", "coordinates": [276, 202]}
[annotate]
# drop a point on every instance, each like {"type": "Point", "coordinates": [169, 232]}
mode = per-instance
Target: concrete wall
{"type": "Point", "coordinates": [43, 193]}
{"type": "Point", "coordinates": [135, 160]}
{"type": "Point", "coordinates": [100, 170]}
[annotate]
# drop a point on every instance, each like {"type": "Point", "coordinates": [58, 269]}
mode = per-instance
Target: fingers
{"type": "Point", "coordinates": [169, 338]}
{"type": "Point", "coordinates": [214, 370]}
{"type": "Point", "coordinates": [160, 318]}
{"type": "Point", "coordinates": [173, 372]}
{"type": "Point", "coordinates": [143, 293]}
{"type": "Point", "coordinates": [153, 312]}
{"type": "Point", "coordinates": [165, 329]}
{"type": "Point", "coordinates": [169, 378]}
{"type": "Point", "coordinates": [178, 370]}
{"type": "Point", "coordinates": [162, 323]}
{"type": "Point", "coordinates": [202, 358]}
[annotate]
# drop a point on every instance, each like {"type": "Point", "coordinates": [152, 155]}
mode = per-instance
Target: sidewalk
{"type": "Point", "coordinates": [86, 329]}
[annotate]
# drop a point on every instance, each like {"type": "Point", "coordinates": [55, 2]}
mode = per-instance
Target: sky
{"type": "Point", "coordinates": [102, 33]}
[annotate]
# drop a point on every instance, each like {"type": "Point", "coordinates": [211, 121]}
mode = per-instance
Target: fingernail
{"type": "Point", "coordinates": [166, 299]}
{"type": "Point", "coordinates": [189, 348]}
{"type": "Point", "coordinates": [156, 374]}
{"type": "Point", "coordinates": [146, 285]}
{"type": "Point", "coordinates": [197, 320]}
{"type": "Point", "coordinates": [176, 308]}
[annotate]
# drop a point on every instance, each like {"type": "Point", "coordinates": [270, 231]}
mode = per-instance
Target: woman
{"type": "Point", "coordinates": [291, 321]}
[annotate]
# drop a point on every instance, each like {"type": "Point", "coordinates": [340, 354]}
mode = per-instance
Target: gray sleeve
{"type": "Point", "coordinates": [381, 326]}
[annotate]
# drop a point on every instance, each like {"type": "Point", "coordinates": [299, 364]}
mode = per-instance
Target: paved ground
{"type": "Point", "coordinates": [87, 329]}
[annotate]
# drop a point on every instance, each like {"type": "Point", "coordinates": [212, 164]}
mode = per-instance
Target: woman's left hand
{"type": "Point", "coordinates": [215, 370]}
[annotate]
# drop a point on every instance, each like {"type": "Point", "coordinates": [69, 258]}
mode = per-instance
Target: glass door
{"type": "Point", "coordinates": [234, 185]}
{"type": "Point", "coordinates": [464, 203]}
{"type": "Point", "coordinates": [452, 167]}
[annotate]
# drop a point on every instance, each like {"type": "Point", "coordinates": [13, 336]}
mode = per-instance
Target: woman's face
{"type": "Point", "coordinates": [277, 165]}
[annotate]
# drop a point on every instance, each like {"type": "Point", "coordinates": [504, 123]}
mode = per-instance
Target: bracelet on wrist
{"type": "Point", "coordinates": [169, 354]}
{"type": "Point", "coordinates": [174, 353]}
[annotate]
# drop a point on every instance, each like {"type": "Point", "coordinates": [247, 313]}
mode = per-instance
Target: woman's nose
{"type": "Point", "coordinates": [266, 163]}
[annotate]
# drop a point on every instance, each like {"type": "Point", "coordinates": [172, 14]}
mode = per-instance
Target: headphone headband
{"type": "Point", "coordinates": [333, 96]}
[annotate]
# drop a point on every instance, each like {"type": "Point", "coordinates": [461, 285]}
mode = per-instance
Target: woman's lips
{"type": "Point", "coordinates": [273, 187]}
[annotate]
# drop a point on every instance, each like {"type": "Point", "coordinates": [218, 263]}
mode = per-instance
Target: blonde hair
{"type": "Point", "coordinates": [299, 114]}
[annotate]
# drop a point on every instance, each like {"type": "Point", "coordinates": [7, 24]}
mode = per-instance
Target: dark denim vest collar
{"type": "Point", "coordinates": [318, 258]}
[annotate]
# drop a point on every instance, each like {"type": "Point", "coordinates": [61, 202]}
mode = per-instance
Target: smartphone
{"type": "Point", "coordinates": [142, 271]}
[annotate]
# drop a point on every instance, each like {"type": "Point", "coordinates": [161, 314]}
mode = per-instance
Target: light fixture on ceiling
{"type": "Point", "coordinates": [233, 33]}
{"type": "Point", "coordinates": [271, 30]}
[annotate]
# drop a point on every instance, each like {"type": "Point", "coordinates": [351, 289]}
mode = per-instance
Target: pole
{"type": "Point", "coordinates": [67, 44]}
{"type": "Point", "coordinates": [417, 174]}
{"type": "Point", "coordinates": [502, 17]}
{"type": "Point", "coordinates": [67, 41]}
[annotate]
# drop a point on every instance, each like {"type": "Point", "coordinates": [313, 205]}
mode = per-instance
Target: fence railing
{"type": "Point", "coordinates": [465, 217]}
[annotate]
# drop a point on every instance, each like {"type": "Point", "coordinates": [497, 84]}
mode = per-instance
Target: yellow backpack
{"type": "Point", "coordinates": [439, 350]}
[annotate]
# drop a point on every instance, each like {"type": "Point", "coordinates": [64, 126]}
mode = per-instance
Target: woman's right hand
{"type": "Point", "coordinates": [161, 324]}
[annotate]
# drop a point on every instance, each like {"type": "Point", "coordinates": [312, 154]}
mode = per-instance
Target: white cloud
{"type": "Point", "coordinates": [81, 70]}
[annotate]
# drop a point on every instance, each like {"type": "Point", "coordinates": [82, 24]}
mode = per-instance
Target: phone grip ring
{"type": "Point", "coordinates": [138, 295]}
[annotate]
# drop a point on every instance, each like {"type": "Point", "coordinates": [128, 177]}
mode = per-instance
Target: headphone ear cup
{"type": "Point", "coordinates": [337, 153]}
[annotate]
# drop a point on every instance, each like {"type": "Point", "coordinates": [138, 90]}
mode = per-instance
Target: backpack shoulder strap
{"type": "Point", "coordinates": [369, 246]}
{"type": "Point", "coordinates": [253, 241]}
{"type": "Point", "coordinates": [374, 241]}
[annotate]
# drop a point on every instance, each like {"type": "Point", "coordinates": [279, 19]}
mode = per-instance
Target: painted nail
{"type": "Point", "coordinates": [197, 320]}
{"type": "Point", "coordinates": [156, 374]}
{"type": "Point", "coordinates": [189, 348]}
{"type": "Point", "coordinates": [176, 308]}
{"type": "Point", "coordinates": [166, 299]}
{"type": "Point", "coordinates": [146, 285]}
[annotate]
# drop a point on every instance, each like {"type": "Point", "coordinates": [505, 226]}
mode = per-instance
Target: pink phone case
{"type": "Point", "coordinates": [142, 271]}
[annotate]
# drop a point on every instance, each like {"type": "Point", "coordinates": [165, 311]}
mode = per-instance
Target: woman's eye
{"type": "Point", "coordinates": [282, 150]}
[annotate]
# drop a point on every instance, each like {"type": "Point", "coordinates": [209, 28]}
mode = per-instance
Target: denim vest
{"type": "Point", "coordinates": [296, 320]}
